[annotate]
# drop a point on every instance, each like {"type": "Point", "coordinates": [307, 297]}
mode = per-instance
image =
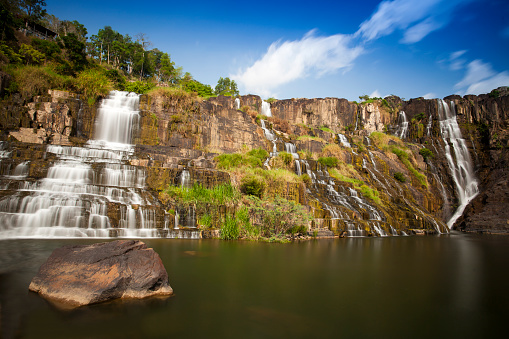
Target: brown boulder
{"type": "Point", "coordinates": [79, 275]}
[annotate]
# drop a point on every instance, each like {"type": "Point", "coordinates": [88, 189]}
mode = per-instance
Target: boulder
{"type": "Point", "coordinates": [79, 275]}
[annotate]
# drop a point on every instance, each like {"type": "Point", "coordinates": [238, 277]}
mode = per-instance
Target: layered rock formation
{"type": "Point", "coordinates": [180, 133]}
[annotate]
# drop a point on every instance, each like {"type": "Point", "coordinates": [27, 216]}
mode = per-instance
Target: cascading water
{"type": "Point", "coordinates": [237, 103]}
{"type": "Point", "coordinates": [403, 127]}
{"type": "Point", "coordinates": [86, 186]}
{"type": "Point", "coordinates": [266, 109]}
{"type": "Point", "coordinates": [343, 140]}
{"type": "Point", "coordinates": [185, 179]}
{"type": "Point", "coordinates": [460, 164]}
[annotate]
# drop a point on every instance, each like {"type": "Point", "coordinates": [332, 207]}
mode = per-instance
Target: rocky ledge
{"type": "Point", "coordinates": [79, 275]}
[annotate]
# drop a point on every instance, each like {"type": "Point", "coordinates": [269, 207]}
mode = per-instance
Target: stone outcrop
{"type": "Point", "coordinates": [87, 274]}
{"type": "Point", "coordinates": [333, 113]}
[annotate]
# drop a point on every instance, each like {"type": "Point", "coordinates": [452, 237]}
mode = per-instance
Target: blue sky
{"type": "Point", "coordinates": [310, 49]}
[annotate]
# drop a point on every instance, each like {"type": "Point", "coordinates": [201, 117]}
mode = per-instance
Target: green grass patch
{"type": "Point", "coordinates": [309, 137]}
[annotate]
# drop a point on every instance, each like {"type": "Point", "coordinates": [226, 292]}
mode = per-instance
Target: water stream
{"type": "Point", "coordinates": [458, 158]}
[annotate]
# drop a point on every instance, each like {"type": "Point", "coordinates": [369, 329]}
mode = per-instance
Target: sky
{"type": "Point", "coordinates": [317, 49]}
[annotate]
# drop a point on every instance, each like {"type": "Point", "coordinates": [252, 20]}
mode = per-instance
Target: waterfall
{"type": "Point", "coordinates": [428, 128]}
{"type": "Point", "coordinates": [74, 199]}
{"type": "Point", "coordinates": [292, 149]}
{"type": "Point", "coordinates": [266, 109]}
{"type": "Point", "coordinates": [403, 127]}
{"type": "Point", "coordinates": [460, 163]}
{"type": "Point", "coordinates": [237, 103]}
{"type": "Point", "coordinates": [343, 140]}
{"type": "Point", "coordinates": [185, 179]}
{"type": "Point", "coordinates": [118, 118]}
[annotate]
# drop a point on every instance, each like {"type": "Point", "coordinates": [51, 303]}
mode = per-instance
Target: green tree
{"type": "Point", "coordinates": [33, 10]}
{"type": "Point", "coordinates": [227, 87]}
{"type": "Point", "coordinates": [75, 52]}
{"type": "Point", "coordinates": [8, 21]}
{"type": "Point", "coordinates": [31, 55]}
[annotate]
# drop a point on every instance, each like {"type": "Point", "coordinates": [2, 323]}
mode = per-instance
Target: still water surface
{"type": "Point", "coordinates": [398, 287]}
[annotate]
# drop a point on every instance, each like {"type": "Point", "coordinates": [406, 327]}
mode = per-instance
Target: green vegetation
{"type": "Point", "coordinates": [271, 100]}
{"type": "Point", "coordinates": [328, 161]}
{"type": "Point", "coordinates": [344, 174]}
{"type": "Point", "coordinates": [426, 153]}
{"type": "Point", "coordinates": [396, 146]}
{"type": "Point", "coordinates": [252, 159]}
{"type": "Point", "coordinates": [89, 66]}
{"type": "Point", "coordinates": [326, 129]}
{"type": "Point", "coordinates": [309, 137]}
{"type": "Point", "coordinates": [246, 216]}
{"type": "Point", "coordinates": [226, 87]}
{"type": "Point", "coordinates": [400, 177]}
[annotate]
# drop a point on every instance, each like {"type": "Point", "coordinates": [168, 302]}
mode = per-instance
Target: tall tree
{"type": "Point", "coordinates": [8, 21]}
{"type": "Point", "coordinates": [226, 86]}
{"type": "Point", "coordinates": [33, 10]}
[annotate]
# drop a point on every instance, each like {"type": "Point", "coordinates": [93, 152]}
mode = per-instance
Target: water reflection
{"type": "Point", "coordinates": [398, 287]}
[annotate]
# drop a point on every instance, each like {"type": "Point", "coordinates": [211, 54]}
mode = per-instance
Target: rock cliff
{"type": "Point", "coordinates": [392, 187]}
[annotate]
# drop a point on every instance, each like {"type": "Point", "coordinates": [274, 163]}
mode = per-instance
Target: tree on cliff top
{"type": "Point", "coordinates": [226, 87]}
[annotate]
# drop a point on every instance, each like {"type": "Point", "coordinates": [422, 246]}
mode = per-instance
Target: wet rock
{"type": "Point", "coordinates": [79, 275]}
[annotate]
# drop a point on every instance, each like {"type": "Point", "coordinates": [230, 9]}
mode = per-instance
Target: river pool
{"type": "Point", "coordinates": [396, 287]}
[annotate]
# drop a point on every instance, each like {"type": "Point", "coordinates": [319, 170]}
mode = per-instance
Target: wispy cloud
{"type": "Point", "coordinates": [481, 78]}
{"type": "Point", "coordinates": [429, 95]}
{"type": "Point", "coordinates": [375, 94]}
{"type": "Point", "coordinates": [291, 60]}
{"type": "Point", "coordinates": [455, 61]}
{"type": "Point", "coordinates": [288, 61]}
{"type": "Point", "coordinates": [416, 18]}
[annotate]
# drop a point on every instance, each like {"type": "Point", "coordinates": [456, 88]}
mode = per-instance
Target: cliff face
{"type": "Point", "coordinates": [177, 133]}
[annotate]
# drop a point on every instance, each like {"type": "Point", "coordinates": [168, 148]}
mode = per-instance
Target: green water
{"type": "Point", "coordinates": [401, 287]}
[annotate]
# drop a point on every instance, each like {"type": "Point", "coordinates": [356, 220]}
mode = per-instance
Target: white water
{"type": "Point", "coordinates": [266, 109]}
{"type": "Point", "coordinates": [343, 140]}
{"type": "Point", "coordinates": [185, 179]}
{"type": "Point", "coordinates": [403, 127]}
{"type": "Point", "coordinates": [237, 103]}
{"type": "Point", "coordinates": [73, 199]}
{"type": "Point", "coordinates": [460, 163]}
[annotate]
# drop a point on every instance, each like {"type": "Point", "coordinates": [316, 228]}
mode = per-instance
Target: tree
{"type": "Point", "coordinates": [31, 55]}
{"type": "Point", "coordinates": [227, 87]}
{"type": "Point", "coordinates": [75, 52]}
{"type": "Point", "coordinates": [33, 10]}
{"type": "Point", "coordinates": [8, 21]}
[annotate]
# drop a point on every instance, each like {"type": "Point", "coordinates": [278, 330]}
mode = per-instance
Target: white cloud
{"type": "Point", "coordinates": [429, 96]}
{"type": "Point", "coordinates": [481, 78]}
{"type": "Point", "coordinates": [375, 94]}
{"type": "Point", "coordinates": [417, 18]}
{"type": "Point", "coordinates": [291, 60]}
{"type": "Point", "coordinates": [456, 62]}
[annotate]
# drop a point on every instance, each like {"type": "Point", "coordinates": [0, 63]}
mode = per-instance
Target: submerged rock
{"type": "Point", "coordinates": [79, 275]}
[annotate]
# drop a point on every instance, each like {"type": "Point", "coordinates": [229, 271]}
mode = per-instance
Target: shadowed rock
{"type": "Point", "coordinates": [79, 275]}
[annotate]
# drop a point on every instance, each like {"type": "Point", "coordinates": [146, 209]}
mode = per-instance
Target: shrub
{"type": "Point", "coordinates": [229, 161]}
{"type": "Point", "coordinates": [259, 153]}
{"type": "Point", "coordinates": [205, 220]}
{"type": "Point", "coordinates": [230, 229]}
{"type": "Point", "coordinates": [306, 179]}
{"type": "Point", "coordinates": [400, 177]}
{"type": "Point", "coordinates": [328, 161]}
{"type": "Point", "coordinates": [286, 157]}
{"type": "Point", "coordinates": [93, 83]}
{"type": "Point", "coordinates": [252, 185]}
{"type": "Point", "coordinates": [140, 87]}
{"type": "Point", "coordinates": [426, 153]}
{"type": "Point", "coordinates": [36, 80]}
